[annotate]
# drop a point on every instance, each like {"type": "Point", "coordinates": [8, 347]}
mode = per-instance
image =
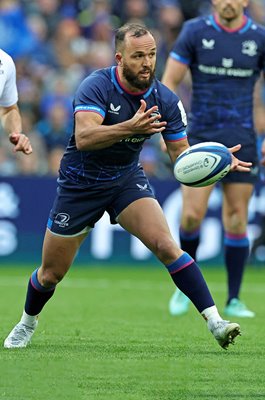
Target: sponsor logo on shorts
{"type": "Point", "coordinates": [62, 219]}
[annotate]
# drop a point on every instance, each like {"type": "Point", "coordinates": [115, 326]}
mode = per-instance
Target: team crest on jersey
{"type": "Point", "coordinates": [208, 44]}
{"type": "Point", "coordinates": [249, 47]}
{"type": "Point", "coordinates": [227, 62]}
{"type": "Point", "coordinates": [154, 113]}
{"type": "Point", "coordinates": [113, 109]}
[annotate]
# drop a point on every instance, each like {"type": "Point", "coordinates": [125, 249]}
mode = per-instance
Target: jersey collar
{"type": "Point", "coordinates": [243, 28]}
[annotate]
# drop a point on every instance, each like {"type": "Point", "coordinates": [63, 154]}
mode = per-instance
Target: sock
{"type": "Point", "coordinates": [37, 296]}
{"type": "Point", "coordinates": [211, 313]}
{"type": "Point", "coordinates": [236, 250]}
{"type": "Point", "coordinates": [188, 278]}
{"type": "Point", "coordinates": [189, 241]}
{"type": "Point", "coordinates": [29, 320]}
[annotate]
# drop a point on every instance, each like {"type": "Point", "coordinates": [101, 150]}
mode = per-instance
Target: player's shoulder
{"type": "Point", "coordinates": [256, 29]}
{"type": "Point", "coordinates": [195, 24]}
{"type": "Point", "coordinates": [100, 77]}
{"type": "Point", "coordinates": [166, 96]}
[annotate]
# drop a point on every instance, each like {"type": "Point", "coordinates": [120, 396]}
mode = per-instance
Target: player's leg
{"type": "Point", "coordinates": [194, 207]}
{"type": "Point", "coordinates": [73, 215]}
{"type": "Point", "coordinates": [236, 243]}
{"type": "Point", "coordinates": [144, 219]}
{"type": "Point", "coordinates": [57, 257]}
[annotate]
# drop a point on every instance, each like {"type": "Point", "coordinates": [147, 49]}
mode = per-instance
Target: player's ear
{"type": "Point", "coordinates": [118, 58]}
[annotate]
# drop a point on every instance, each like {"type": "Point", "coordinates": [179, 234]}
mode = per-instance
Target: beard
{"type": "Point", "coordinates": [134, 80]}
{"type": "Point", "coordinates": [228, 13]}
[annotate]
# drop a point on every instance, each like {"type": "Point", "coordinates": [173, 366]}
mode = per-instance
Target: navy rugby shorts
{"type": "Point", "coordinates": [248, 151]}
{"type": "Point", "coordinates": [77, 210]}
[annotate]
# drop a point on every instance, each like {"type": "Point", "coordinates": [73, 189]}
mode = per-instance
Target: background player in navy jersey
{"type": "Point", "coordinates": [9, 111]}
{"type": "Point", "coordinates": [115, 110]}
{"type": "Point", "coordinates": [225, 53]}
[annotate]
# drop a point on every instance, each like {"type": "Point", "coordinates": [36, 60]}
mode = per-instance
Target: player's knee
{"type": "Point", "coordinates": [191, 220]}
{"type": "Point", "coordinates": [165, 249]}
{"type": "Point", "coordinates": [49, 278]}
{"type": "Point", "coordinates": [235, 222]}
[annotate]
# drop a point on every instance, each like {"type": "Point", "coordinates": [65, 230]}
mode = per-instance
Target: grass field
{"type": "Point", "coordinates": [107, 335]}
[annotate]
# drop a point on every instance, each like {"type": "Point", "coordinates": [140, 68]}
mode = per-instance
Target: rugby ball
{"type": "Point", "coordinates": [202, 164]}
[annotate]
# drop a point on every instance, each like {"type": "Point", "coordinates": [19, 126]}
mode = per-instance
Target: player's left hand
{"type": "Point", "coordinates": [238, 165]}
{"type": "Point", "coordinates": [21, 142]}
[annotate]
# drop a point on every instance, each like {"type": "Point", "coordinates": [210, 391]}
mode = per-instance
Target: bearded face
{"type": "Point", "coordinates": [229, 10]}
{"type": "Point", "coordinates": [140, 80]}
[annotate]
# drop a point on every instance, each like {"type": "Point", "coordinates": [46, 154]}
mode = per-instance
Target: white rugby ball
{"type": "Point", "coordinates": [202, 164]}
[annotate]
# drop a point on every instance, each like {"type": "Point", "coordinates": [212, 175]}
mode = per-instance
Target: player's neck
{"type": "Point", "coordinates": [231, 25]}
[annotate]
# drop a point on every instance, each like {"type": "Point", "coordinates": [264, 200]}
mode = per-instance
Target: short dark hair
{"type": "Point", "coordinates": [135, 29]}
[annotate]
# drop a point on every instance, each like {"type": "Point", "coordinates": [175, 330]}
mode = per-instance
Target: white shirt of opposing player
{"type": "Point", "coordinates": [8, 87]}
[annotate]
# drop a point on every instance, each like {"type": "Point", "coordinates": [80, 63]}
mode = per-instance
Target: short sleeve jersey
{"type": "Point", "coordinates": [224, 66]}
{"type": "Point", "coordinates": [8, 88]}
{"type": "Point", "coordinates": [102, 93]}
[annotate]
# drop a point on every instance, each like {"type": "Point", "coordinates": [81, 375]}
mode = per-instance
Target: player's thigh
{"type": "Point", "coordinates": [58, 253]}
{"type": "Point", "coordinates": [194, 202]}
{"type": "Point", "coordinates": [144, 219]}
{"type": "Point", "coordinates": [236, 197]}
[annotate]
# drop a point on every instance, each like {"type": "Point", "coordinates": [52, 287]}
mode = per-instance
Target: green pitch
{"type": "Point", "coordinates": [107, 334]}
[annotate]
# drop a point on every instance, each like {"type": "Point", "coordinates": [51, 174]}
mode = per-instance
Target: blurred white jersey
{"type": "Point", "coordinates": [8, 87]}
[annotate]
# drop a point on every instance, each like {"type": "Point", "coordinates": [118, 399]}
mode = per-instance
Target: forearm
{"type": "Point", "coordinates": [102, 136]}
{"type": "Point", "coordinates": [11, 120]}
{"type": "Point", "coordinates": [174, 150]}
{"type": "Point", "coordinates": [91, 134]}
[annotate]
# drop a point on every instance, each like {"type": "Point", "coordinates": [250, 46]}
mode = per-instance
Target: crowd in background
{"type": "Point", "coordinates": [56, 43]}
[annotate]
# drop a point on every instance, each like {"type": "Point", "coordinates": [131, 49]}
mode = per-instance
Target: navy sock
{"type": "Point", "coordinates": [236, 250]}
{"type": "Point", "coordinates": [189, 241]}
{"type": "Point", "coordinates": [188, 278]}
{"type": "Point", "coordinates": [37, 295]}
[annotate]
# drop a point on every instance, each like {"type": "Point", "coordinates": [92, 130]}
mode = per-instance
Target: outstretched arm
{"type": "Point", "coordinates": [174, 149]}
{"type": "Point", "coordinates": [11, 121]}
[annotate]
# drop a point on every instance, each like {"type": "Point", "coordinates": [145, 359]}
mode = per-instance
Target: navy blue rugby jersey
{"type": "Point", "coordinates": [102, 92]}
{"type": "Point", "coordinates": [225, 65]}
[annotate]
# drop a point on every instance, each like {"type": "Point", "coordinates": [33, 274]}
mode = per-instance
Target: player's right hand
{"type": "Point", "coordinates": [21, 142]}
{"type": "Point", "coordinates": [144, 122]}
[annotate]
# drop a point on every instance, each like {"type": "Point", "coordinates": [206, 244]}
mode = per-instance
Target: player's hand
{"type": "Point", "coordinates": [144, 122]}
{"type": "Point", "coordinates": [21, 142]}
{"type": "Point", "coordinates": [238, 165]}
